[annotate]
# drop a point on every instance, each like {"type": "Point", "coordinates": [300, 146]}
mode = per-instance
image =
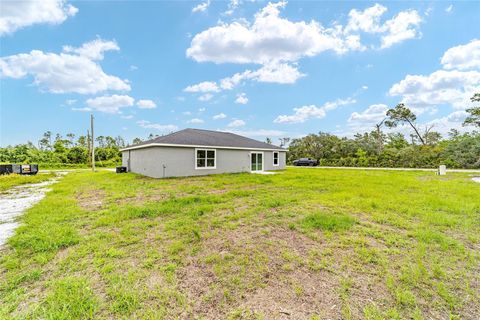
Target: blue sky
{"type": "Point", "coordinates": [256, 68]}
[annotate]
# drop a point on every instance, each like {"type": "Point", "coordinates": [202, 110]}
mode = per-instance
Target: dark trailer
{"type": "Point", "coordinates": [25, 169]}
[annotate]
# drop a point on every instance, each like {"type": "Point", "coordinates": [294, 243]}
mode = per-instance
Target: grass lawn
{"type": "Point", "coordinates": [11, 180]}
{"type": "Point", "coordinates": [302, 244]}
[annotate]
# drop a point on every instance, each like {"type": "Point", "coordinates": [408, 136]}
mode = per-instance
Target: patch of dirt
{"type": "Point", "coordinates": [268, 288]}
{"type": "Point", "coordinates": [91, 200]}
{"type": "Point", "coordinates": [278, 299]}
{"type": "Point", "coordinates": [142, 198]}
{"type": "Point", "coordinates": [219, 191]}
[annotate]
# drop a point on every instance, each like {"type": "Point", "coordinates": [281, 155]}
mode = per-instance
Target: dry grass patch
{"type": "Point", "coordinates": [91, 199]}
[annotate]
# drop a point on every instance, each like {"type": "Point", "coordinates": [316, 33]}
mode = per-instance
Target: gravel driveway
{"type": "Point", "coordinates": [15, 201]}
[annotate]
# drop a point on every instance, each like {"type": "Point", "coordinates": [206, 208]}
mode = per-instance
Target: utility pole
{"type": "Point", "coordinates": [93, 143]}
{"type": "Point", "coordinates": [89, 150]}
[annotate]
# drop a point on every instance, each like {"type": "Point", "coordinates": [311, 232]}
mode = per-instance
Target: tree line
{"type": "Point", "coordinates": [57, 151]}
{"type": "Point", "coordinates": [425, 148]}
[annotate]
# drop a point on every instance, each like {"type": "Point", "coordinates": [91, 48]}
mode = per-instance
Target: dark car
{"type": "Point", "coordinates": [305, 162]}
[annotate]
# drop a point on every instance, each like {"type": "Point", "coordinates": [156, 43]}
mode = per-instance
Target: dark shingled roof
{"type": "Point", "coordinates": [198, 137]}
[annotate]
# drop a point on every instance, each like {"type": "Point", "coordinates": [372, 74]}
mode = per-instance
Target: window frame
{"type": "Point", "coordinates": [206, 158]}
{"type": "Point", "coordinates": [263, 160]}
{"type": "Point", "coordinates": [278, 158]}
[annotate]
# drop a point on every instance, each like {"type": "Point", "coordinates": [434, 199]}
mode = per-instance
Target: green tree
{"type": "Point", "coordinates": [101, 141]}
{"type": "Point", "coordinates": [397, 141]}
{"type": "Point", "coordinates": [432, 137]}
{"type": "Point", "coordinates": [71, 139]}
{"type": "Point", "coordinates": [379, 136]}
{"type": "Point", "coordinates": [77, 155]}
{"type": "Point", "coordinates": [474, 118]}
{"type": "Point", "coordinates": [46, 142]}
{"type": "Point", "coordinates": [401, 114]}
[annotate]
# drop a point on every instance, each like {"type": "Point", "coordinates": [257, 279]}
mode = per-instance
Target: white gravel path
{"type": "Point", "coordinates": [15, 201]}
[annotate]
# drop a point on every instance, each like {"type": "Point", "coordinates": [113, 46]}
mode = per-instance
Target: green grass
{"type": "Point", "coordinates": [313, 244]}
{"type": "Point", "coordinates": [12, 180]}
{"type": "Point", "coordinates": [328, 221]}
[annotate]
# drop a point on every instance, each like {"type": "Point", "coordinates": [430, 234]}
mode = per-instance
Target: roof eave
{"type": "Point", "coordinates": [149, 145]}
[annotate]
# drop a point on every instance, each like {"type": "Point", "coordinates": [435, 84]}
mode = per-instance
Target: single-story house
{"type": "Point", "coordinates": [194, 152]}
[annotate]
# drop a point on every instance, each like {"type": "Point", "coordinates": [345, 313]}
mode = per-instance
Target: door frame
{"type": "Point", "coordinates": [263, 160]}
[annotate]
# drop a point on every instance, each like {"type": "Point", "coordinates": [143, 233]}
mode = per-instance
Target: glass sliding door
{"type": "Point", "coordinates": [256, 160]}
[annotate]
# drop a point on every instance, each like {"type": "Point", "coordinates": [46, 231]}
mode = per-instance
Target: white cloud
{"type": "Point", "coordinates": [368, 118]}
{"type": "Point", "coordinates": [277, 43]}
{"type": "Point", "coordinates": [272, 38]}
{"type": "Point", "coordinates": [268, 38]}
{"type": "Point", "coordinates": [93, 50]}
{"type": "Point", "coordinates": [449, 8]}
{"type": "Point", "coordinates": [110, 104]}
{"type": "Point", "coordinates": [219, 116]}
{"type": "Point", "coordinates": [277, 73]}
{"type": "Point", "coordinates": [187, 113]}
{"type": "Point", "coordinates": [281, 73]}
{"type": "Point", "coordinates": [259, 133]}
{"type": "Point", "coordinates": [195, 121]}
{"type": "Point", "coordinates": [201, 7]}
{"type": "Point", "coordinates": [403, 26]}
{"type": "Point", "coordinates": [160, 127]}
{"type": "Point", "coordinates": [365, 87]}
{"type": "Point", "coordinates": [206, 86]}
{"type": "Point", "coordinates": [205, 97]}
{"type": "Point", "coordinates": [77, 72]}
{"type": "Point", "coordinates": [462, 57]}
{"type": "Point", "coordinates": [15, 15]}
{"type": "Point", "coordinates": [367, 20]}
{"type": "Point", "coordinates": [304, 113]}
{"type": "Point", "coordinates": [453, 120]}
{"type": "Point", "coordinates": [84, 109]}
{"type": "Point", "coordinates": [241, 98]}
{"type": "Point", "coordinates": [231, 82]}
{"type": "Point", "coordinates": [70, 102]}
{"type": "Point", "coordinates": [236, 123]}
{"type": "Point", "coordinates": [127, 117]}
{"type": "Point", "coordinates": [440, 87]}
{"type": "Point", "coordinates": [232, 5]}
{"type": "Point", "coordinates": [453, 86]}
{"type": "Point", "coordinates": [201, 109]}
{"type": "Point", "coordinates": [146, 104]}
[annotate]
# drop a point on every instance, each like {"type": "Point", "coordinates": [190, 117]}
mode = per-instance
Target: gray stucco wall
{"type": "Point", "coordinates": [163, 162]}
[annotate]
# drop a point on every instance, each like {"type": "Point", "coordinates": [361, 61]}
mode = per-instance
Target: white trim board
{"type": "Point", "coordinates": [273, 159]}
{"type": "Point", "coordinates": [206, 158]}
{"type": "Point", "coordinates": [196, 146]}
{"type": "Point", "coordinates": [263, 160]}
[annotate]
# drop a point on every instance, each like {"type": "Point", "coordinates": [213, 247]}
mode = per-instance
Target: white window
{"type": "Point", "coordinates": [276, 160]}
{"type": "Point", "coordinates": [205, 159]}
